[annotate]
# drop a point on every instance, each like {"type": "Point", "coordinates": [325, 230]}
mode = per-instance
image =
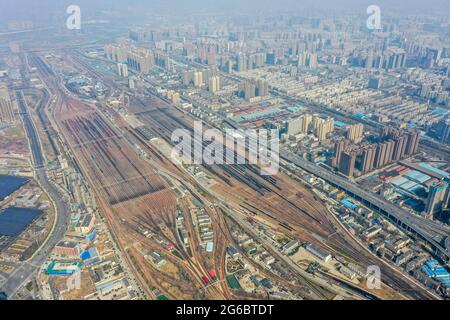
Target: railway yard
{"type": "Point", "coordinates": [192, 231]}
{"type": "Point", "coordinates": [289, 207]}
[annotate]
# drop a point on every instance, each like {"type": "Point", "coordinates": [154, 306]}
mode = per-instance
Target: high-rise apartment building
{"type": "Point", "coordinates": [355, 132]}
{"type": "Point", "coordinates": [374, 83]}
{"type": "Point", "coordinates": [122, 69]}
{"type": "Point", "coordinates": [389, 152]}
{"type": "Point", "coordinates": [380, 154]}
{"type": "Point", "coordinates": [307, 60]}
{"type": "Point", "coordinates": [367, 159]}
{"type": "Point", "coordinates": [322, 127]}
{"type": "Point", "coordinates": [347, 163]}
{"type": "Point", "coordinates": [436, 199]}
{"type": "Point", "coordinates": [241, 62]}
{"type": "Point", "coordinates": [412, 144]}
{"type": "Point", "coordinates": [140, 60]}
{"type": "Point", "coordinates": [197, 77]}
{"type": "Point", "coordinates": [339, 147]}
{"type": "Point", "coordinates": [162, 60]}
{"type": "Point", "coordinates": [399, 148]}
{"type": "Point", "coordinates": [443, 131]}
{"type": "Point", "coordinates": [249, 89]}
{"type": "Point", "coordinates": [229, 66]}
{"type": "Point", "coordinates": [262, 88]}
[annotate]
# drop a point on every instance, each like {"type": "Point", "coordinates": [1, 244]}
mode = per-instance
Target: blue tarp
{"type": "Point", "coordinates": [88, 254]}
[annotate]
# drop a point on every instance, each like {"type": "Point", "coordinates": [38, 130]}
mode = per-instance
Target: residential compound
{"type": "Point", "coordinates": [393, 145]}
{"type": "Point", "coordinates": [139, 60]}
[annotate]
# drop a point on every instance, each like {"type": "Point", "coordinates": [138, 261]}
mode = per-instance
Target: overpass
{"type": "Point", "coordinates": [436, 235]}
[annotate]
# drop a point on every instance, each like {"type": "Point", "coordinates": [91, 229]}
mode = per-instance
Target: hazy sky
{"type": "Point", "coordinates": [41, 9]}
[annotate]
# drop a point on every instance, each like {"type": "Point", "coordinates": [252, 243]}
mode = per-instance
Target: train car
{"type": "Point", "coordinates": [212, 274]}
{"type": "Point", "coordinates": [206, 280]}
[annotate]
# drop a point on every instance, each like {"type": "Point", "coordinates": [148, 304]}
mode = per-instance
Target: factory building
{"type": "Point", "coordinates": [319, 253]}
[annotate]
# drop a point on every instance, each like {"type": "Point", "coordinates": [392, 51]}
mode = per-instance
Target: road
{"type": "Point", "coordinates": [29, 268]}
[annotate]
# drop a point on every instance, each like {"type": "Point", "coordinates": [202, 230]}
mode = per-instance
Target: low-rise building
{"type": "Point", "coordinates": [68, 249]}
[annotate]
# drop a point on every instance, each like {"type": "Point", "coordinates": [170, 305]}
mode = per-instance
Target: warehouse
{"type": "Point", "coordinates": [322, 255]}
